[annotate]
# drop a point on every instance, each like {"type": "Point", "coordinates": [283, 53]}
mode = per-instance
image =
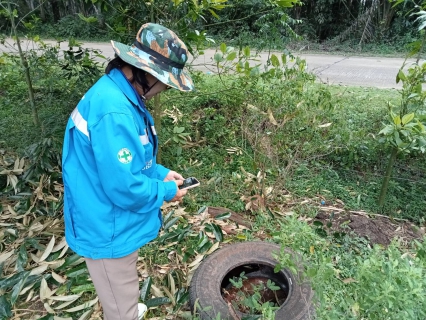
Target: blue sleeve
{"type": "Point", "coordinates": [161, 172]}
{"type": "Point", "coordinates": [120, 159]}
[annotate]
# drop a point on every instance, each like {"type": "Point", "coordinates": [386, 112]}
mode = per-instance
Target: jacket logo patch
{"type": "Point", "coordinates": [124, 156]}
{"type": "Point", "coordinates": [148, 165]}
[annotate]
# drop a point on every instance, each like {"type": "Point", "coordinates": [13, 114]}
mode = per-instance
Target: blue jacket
{"type": "Point", "coordinates": [113, 186]}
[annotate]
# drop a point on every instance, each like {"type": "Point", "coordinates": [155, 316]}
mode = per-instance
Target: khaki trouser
{"type": "Point", "coordinates": [117, 285]}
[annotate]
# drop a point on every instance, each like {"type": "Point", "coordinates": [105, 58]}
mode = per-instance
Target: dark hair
{"type": "Point", "coordinates": [138, 74]}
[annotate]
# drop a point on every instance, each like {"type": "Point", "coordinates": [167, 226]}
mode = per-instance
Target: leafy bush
{"type": "Point", "coordinates": [352, 280]}
{"type": "Point", "coordinates": [71, 26]}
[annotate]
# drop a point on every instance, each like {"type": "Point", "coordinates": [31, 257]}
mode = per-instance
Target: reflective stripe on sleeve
{"type": "Point", "coordinates": [153, 130]}
{"type": "Point", "coordinates": [80, 123]}
{"type": "Point", "coordinates": [144, 139]}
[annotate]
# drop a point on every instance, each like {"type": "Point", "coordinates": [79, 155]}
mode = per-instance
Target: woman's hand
{"type": "Point", "coordinates": [180, 193]}
{"type": "Point", "coordinates": [173, 176]}
{"type": "Point", "coordinates": [178, 179]}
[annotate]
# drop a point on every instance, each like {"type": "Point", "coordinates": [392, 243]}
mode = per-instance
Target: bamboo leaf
{"type": "Point", "coordinates": [48, 250]}
{"type": "Point", "coordinates": [72, 297]}
{"type": "Point", "coordinates": [45, 292]}
{"type": "Point", "coordinates": [170, 223]}
{"type": "Point", "coordinates": [39, 270]}
{"type": "Point", "coordinates": [223, 216]}
{"type": "Point", "coordinates": [63, 305]}
{"type": "Point", "coordinates": [60, 245]}
{"type": "Point", "coordinates": [48, 307]}
{"type": "Point", "coordinates": [172, 284]}
{"type": "Point", "coordinates": [83, 306]}
{"type": "Point", "coordinates": [146, 288]}
{"type": "Point", "coordinates": [83, 288]}
{"type": "Point", "coordinates": [86, 315]}
{"type": "Point", "coordinates": [6, 283]}
{"type": "Point", "coordinates": [156, 291]}
{"type": "Point", "coordinates": [17, 288]}
{"type": "Point", "coordinates": [26, 289]}
{"type": "Point", "coordinates": [155, 302]}
{"type": "Point", "coordinates": [5, 308]}
{"type": "Point", "coordinates": [213, 248]}
{"type": "Point", "coordinates": [197, 260]}
{"type": "Point", "coordinates": [217, 231]}
{"type": "Point", "coordinates": [74, 259]}
{"type": "Point", "coordinates": [5, 256]}
{"type": "Point", "coordinates": [76, 271]}
{"type": "Point", "coordinates": [57, 277]}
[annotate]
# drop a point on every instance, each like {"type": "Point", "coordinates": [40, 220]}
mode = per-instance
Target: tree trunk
{"type": "Point", "coordinates": [42, 12]}
{"type": "Point", "coordinates": [55, 10]}
{"type": "Point", "coordinates": [26, 71]}
{"type": "Point", "coordinates": [388, 174]}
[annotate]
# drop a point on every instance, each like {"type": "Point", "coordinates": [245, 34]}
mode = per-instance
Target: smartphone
{"type": "Point", "coordinates": [189, 183]}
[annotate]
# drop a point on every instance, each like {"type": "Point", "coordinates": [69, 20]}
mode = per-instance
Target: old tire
{"type": "Point", "coordinates": [207, 282]}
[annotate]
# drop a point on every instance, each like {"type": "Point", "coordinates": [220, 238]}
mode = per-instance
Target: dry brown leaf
{"type": "Point", "coordinates": [48, 250]}
{"type": "Point", "coordinates": [83, 306]}
{"type": "Point", "coordinates": [5, 256]}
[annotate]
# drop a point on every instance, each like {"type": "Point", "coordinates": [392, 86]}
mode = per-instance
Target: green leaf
{"type": "Point", "coordinates": [170, 223]}
{"type": "Point", "coordinates": [69, 261]}
{"type": "Point", "coordinates": [203, 240]}
{"type": "Point", "coordinates": [407, 118]}
{"type": "Point", "coordinates": [287, 3]}
{"type": "Point", "coordinates": [398, 140]}
{"type": "Point", "coordinates": [246, 51]}
{"type": "Point", "coordinates": [168, 216]}
{"type": "Point", "coordinates": [178, 129]}
{"type": "Point", "coordinates": [400, 76]}
{"type": "Point", "coordinates": [231, 56]}
{"type": "Point", "coordinates": [387, 130]}
{"type": "Point", "coordinates": [79, 270]}
{"type": "Point", "coordinates": [318, 223]}
{"type": "Point", "coordinates": [18, 287]}
{"type": "Point", "coordinates": [5, 308]}
{"type": "Point", "coordinates": [214, 14]}
{"type": "Point", "coordinates": [223, 216]}
{"type": "Point", "coordinates": [397, 120]}
{"type": "Point", "coordinates": [10, 282]}
{"type": "Point", "coordinates": [218, 57]}
{"type": "Point", "coordinates": [146, 288]}
{"type": "Point", "coordinates": [222, 47]}
{"type": "Point", "coordinates": [22, 258]}
{"type": "Point", "coordinates": [201, 210]}
{"type": "Point", "coordinates": [217, 231]}
{"type": "Point", "coordinates": [89, 287]}
{"type": "Point", "coordinates": [34, 243]}
{"type": "Point", "coordinates": [274, 60]}
{"type": "Point", "coordinates": [155, 302]}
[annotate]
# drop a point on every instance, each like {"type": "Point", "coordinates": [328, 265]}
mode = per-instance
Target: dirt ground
{"type": "Point", "coordinates": [377, 229]}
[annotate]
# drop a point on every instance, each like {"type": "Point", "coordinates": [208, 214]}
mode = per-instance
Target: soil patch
{"type": "Point", "coordinates": [377, 229]}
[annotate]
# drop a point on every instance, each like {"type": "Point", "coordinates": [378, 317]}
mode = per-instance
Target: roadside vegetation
{"type": "Point", "coordinates": [281, 158]}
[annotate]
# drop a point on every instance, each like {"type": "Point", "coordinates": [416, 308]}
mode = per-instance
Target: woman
{"type": "Point", "coordinates": [113, 186]}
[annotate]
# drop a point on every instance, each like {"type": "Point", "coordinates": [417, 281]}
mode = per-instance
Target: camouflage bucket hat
{"type": "Point", "coordinates": [158, 51]}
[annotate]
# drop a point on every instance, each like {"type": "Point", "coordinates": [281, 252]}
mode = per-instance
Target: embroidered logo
{"type": "Point", "coordinates": [124, 156]}
{"type": "Point", "coordinates": [148, 165]}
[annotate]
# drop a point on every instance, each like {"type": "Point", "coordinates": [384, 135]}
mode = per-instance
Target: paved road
{"type": "Point", "coordinates": [345, 70]}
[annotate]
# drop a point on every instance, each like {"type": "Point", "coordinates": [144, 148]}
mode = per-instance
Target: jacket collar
{"type": "Point", "coordinates": [118, 77]}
